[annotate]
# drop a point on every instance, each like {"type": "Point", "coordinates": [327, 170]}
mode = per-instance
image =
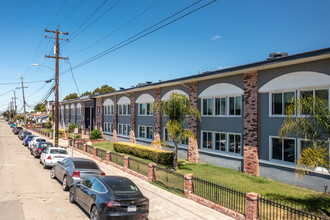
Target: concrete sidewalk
{"type": "Point", "coordinates": [163, 204]}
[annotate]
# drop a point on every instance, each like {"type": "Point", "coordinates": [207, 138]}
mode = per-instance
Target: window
{"type": "Point", "coordinates": [166, 138]}
{"type": "Point", "coordinates": [98, 186]}
{"type": "Point", "coordinates": [123, 110]}
{"type": "Point", "coordinates": [207, 106]}
{"type": "Point", "coordinates": [281, 102]}
{"type": "Point", "coordinates": [284, 149]}
{"type": "Point", "coordinates": [235, 106]}
{"type": "Point", "coordinates": [146, 132]}
{"type": "Point", "coordinates": [304, 144]}
{"type": "Point", "coordinates": [108, 127]}
{"type": "Point", "coordinates": [120, 110]}
{"type": "Point", "coordinates": [322, 94]}
{"type": "Point", "coordinates": [78, 111]}
{"type": "Point", "coordinates": [234, 143]}
{"type": "Point", "coordinates": [220, 141]}
{"type": "Point", "coordinates": [145, 109]}
{"type": "Point", "coordinates": [207, 139]}
{"type": "Point", "coordinates": [108, 110]}
{"type": "Point", "coordinates": [124, 129]}
{"type": "Point", "coordinates": [220, 106]}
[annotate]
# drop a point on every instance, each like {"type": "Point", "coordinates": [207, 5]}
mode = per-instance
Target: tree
{"type": "Point", "coordinates": [71, 96]}
{"type": "Point", "coordinates": [6, 114]}
{"type": "Point", "coordinates": [40, 107]}
{"type": "Point", "coordinates": [313, 124]}
{"type": "Point", "coordinates": [103, 89]}
{"type": "Point", "coordinates": [177, 111]}
{"type": "Point", "coordinates": [86, 93]}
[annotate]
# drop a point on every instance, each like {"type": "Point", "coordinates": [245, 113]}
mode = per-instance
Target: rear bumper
{"type": "Point", "coordinates": [122, 216]}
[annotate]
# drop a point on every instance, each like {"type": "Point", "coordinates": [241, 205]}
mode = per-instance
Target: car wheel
{"type": "Point", "coordinates": [34, 155]}
{"type": "Point", "coordinates": [52, 173]}
{"type": "Point", "coordinates": [71, 195]}
{"type": "Point", "coordinates": [45, 166]}
{"type": "Point", "coordinates": [65, 186]}
{"type": "Point", "coordinates": [94, 215]}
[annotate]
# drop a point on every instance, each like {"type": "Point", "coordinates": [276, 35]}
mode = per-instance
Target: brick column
{"type": "Point", "coordinates": [126, 163]}
{"type": "Point", "coordinates": [251, 207]}
{"type": "Point", "coordinates": [152, 173]}
{"type": "Point", "coordinates": [85, 147]}
{"type": "Point", "coordinates": [99, 115]}
{"type": "Point", "coordinates": [83, 130]}
{"type": "Point", "coordinates": [94, 152]}
{"type": "Point", "coordinates": [251, 122]}
{"type": "Point", "coordinates": [115, 119]}
{"type": "Point", "coordinates": [90, 119]}
{"type": "Point", "coordinates": [108, 157]}
{"type": "Point", "coordinates": [157, 120]}
{"type": "Point", "coordinates": [64, 118]}
{"type": "Point", "coordinates": [75, 114]}
{"type": "Point", "coordinates": [69, 112]}
{"type": "Point", "coordinates": [133, 118]}
{"type": "Point", "coordinates": [188, 185]}
{"type": "Point", "coordinates": [193, 155]}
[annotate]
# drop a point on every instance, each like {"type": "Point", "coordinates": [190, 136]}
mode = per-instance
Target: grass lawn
{"type": "Point", "coordinates": [50, 131]}
{"type": "Point", "coordinates": [305, 199]}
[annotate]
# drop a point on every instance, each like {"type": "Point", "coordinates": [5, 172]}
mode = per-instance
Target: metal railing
{"type": "Point", "coordinates": [139, 166]}
{"type": "Point", "coordinates": [117, 159]}
{"type": "Point", "coordinates": [225, 196]}
{"type": "Point", "coordinates": [90, 149]}
{"type": "Point", "coordinates": [80, 146]}
{"type": "Point", "coordinates": [269, 209]}
{"type": "Point", "coordinates": [101, 153]}
{"type": "Point", "coordinates": [170, 180]}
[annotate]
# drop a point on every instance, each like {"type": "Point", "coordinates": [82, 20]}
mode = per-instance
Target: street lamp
{"type": "Point", "coordinates": [56, 122]}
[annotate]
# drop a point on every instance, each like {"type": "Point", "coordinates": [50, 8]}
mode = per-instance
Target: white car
{"type": "Point", "coordinates": [52, 155]}
{"type": "Point", "coordinates": [35, 140]}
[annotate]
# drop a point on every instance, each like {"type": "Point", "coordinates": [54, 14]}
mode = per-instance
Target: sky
{"type": "Point", "coordinates": [223, 34]}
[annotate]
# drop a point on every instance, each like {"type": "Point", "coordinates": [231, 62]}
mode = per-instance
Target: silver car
{"type": "Point", "coordinates": [73, 169]}
{"type": "Point", "coordinates": [52, 155]}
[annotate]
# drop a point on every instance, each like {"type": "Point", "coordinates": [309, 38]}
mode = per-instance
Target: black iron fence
{"type": "Point", "coordinates": [170, 180]}
{"type": "Point", "coordinates": [225, 196]}
{"type": "Point", "coordinates": [117, 159]}
{"type": "Point", "coordinates": [90, 149]}
{"type": "Point", "coordinates": [80, 146]}
{"type": "Point", "coordinates": [269, 209]}
{"type": "Point", "coordinates": [139, 166]}
{"type": "Point", "coordinates": [101, 153]}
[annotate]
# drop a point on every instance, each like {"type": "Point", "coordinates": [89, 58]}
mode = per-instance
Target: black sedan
{"type": "Point", "coordinates": [39, 147]}
{"type": "Point", "coordinates": [74, 169]}
{"type": "Point", "coordinates": [110, 197]}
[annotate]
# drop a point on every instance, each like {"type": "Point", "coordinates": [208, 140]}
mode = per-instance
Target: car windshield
{"type": "Point", "coordinates": [40, 140]}
{"type": "Point", "coordinates": [121, 186]}
{"type": "Point", "coordinates": [85, 165]}
{"type": "Point", "coordinates": [45, 145]}
{"type": "Point", "coordinates": [58, 151]}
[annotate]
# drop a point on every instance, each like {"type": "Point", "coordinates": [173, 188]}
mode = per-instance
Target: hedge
{"type": "Point", "coordinates": [156, 155]}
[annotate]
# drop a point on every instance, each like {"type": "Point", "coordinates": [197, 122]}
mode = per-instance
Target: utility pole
{"type": "Point", "coordinates": [56, 57]}
{"type": "Point", "coordinates": [15, 108]}
{"type": "Point", "coordinates": [23, 100]}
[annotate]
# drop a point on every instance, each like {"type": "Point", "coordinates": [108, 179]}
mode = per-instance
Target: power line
{"type": "Point", "coordinates": [9, 83]}
{"type": "Point", "coordinates": [120, 45]}
{"type": "Point", "coordinates": [58, 11]}
{"type": "Point", "coordinates": [119, 28]}
{"type": "Point", "coordinates": [68, 61]}
{"type": "Point", "coordinates": [64, 19]}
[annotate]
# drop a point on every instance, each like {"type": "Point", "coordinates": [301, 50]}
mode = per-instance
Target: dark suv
{"type": "Point", "coordinates": [39, 147]}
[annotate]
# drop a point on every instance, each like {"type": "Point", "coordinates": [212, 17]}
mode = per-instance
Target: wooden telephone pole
{"type": "Point", "coordinates": [23, 100]}
{"type": "Point", "coordinates": [56, 57]}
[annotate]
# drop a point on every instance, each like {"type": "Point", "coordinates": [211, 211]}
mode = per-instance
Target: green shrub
{"type": "Point", "coordinates": [156, 155]}
{"type": "Point", "coordinates": [48, 125]}
{"type": "Point", "coordinates": [95, 134]}
{"type": "Point", "coordinates": [76, 136]}
{"type": "Point", "coordinates": [72, 127]}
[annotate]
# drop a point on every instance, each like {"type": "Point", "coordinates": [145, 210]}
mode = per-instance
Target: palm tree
{"type": "Point", "coordinates": [177, 110]}
{"type": "Point", "coordinates": [313, 124]}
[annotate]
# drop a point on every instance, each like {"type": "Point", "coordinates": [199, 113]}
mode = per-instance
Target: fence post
{"type": "Point", "coordinates": [188, 185]}
{"type": "Point", "coordinates": [69, 143]}
{"type": "Point", "coordinates": [152, 173]}
{"type": "Point", "coordinates": [126, 163]}
{"type": "Point", "coordinates": [76, 145]}
{"type": "Point", "coordinates": [108, 158]}
{"type": "Point", "coordinates": [251, 207]}
{"type": "Point", "coordinates": [94, 152]}
{"type": "Point", "coordinates": [85, 147]}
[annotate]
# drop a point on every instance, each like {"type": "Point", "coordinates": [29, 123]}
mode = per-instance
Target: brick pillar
{"type": "Point", "coordinates": [115, 119]}
{"type": "Point", "coordinates": [133, 118]}
{"type": "Point", "coordinates": [251, 122]}
{"type": "Point", "coordinates": [90, 119]}
{"type": "Point", "coordinates": [152, 172]}
{"type": "Point", "coordinates": [69, 112]}
{"type": "Point", "coordinates": [99, 114]}
{"type": "Point", "coordinates": [85, 147]}
{"type": "Point", "coordinates": [64, 118]}
{"type": "Point", "coordinates": [108, 157]}
{"type": "Point", "coordinates": [188, 185]}
{"type": "Point", "coordinates": [75, 114]}
{"type": "Point", "coordinates": [126, 162]}
{"type": "Point", "coordinates": [94, 152]}
{"type": "Point", "coordinates": [157, 120]}
{"type": "Point", "coordinates": [193, 155]}
{"type": "Point", "coordinates": [83, 130]}
{"type": "Point", "coordinates": [251, 207]}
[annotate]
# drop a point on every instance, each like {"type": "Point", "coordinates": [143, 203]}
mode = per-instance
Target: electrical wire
{"type": "Point", "coordinates": [119, 28]}
{"type": "Point", "coordinates": [122, 44]}
{"type": "Point", "coordinates": [58, 11]}
{"type": "Point", "coordinates": [72, 11]}
{"type": "Point", "coordinates": [68, 61]}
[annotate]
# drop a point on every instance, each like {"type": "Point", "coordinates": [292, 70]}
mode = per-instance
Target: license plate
{"type": "Point", "coordinates": [131, 208]}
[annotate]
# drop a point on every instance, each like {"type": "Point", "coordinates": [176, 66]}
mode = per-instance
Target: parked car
{"type": "Point", "coordinates": [17, 129]}
{"type": "Point", "coordinates": [35, 140]}
{"type": "Point", "coordinates": [73, 169]}
{"type": "Point", "coordinates": [27, 139]}
{"type": "Point", "coordinates": [39, 147]}
{"type": "Point", "coordinates": [52, 155]}
{"type": "Point", "coordinates": [12, 125]}
{"type": "Point", "coordinates": [23, 134]}
{"type": "Point", "coordinates": [110, 197]}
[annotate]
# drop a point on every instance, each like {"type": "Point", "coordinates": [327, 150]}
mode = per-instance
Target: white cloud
{"type": "Point", "coordinates": [223, 67]}
{"type": "Point", "coordinates": [215, 37]}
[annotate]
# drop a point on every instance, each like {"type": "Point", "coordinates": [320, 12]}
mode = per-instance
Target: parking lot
{"type": "Point", "coordinates": [28, 192]}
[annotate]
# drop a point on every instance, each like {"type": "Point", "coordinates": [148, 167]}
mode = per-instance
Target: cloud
{"type": "Point", "coordinates": [216, 37]}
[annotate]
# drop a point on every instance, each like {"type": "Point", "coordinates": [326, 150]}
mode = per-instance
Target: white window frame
{"type": "Point", "coordinates": [313, 89]}
{"type": "Point", "coordinates": [298, 153]}
{"type": "Point", "coordinates": [242, 146]}
{"type": "Point", "coordinates": [106, 126]}
{"type": "Point", "coordinates": [228, 105]}
{"type": "Point", "coordinates": [125, 127]}
{"type": "Point", "coordinates": [128, 110]}
{"type": "Point", "coordinates": [145, 132]}
{"type": "Point", "coordinates": [212, 140]}
{"type": "Point", "coordinates": [271, 102]}
{"type": "Point", "coordinates": [202, 106]}
{"type": "Point", "coordinates": [171, 142]}
{"type": "Point", "coordinates": [271, 150]}
{"type": "Point", "coordinates": [146, 109]}
{"type": "Point", "coordinates": [226, 139]}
